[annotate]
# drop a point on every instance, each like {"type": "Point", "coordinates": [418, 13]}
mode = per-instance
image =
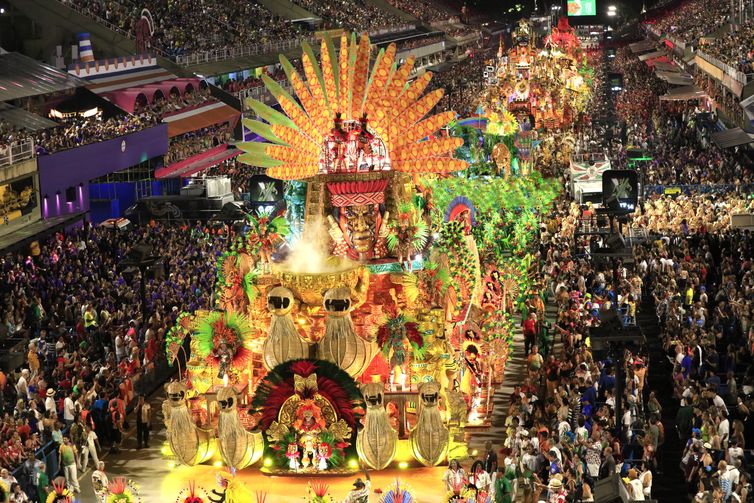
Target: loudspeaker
{"type": "Point", "coordinates": [610, 490]}
{"type": "Point", "coordinates": [70, 194]}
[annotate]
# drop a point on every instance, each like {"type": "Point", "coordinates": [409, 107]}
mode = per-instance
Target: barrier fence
{"type": "Point", "coordinates": [16, 152]}
{"type": "Point", "coordinates": [697, 189]}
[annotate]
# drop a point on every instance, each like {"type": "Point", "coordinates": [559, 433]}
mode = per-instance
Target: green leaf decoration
{"type": "Point", "coordinates": [269, 114]}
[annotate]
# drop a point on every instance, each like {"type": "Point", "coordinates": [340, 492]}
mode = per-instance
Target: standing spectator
{"type": "Point", "coordinates": [68, 410]}
{"type": "Point", "coordinates": [43, 483]}
{"type": "Point", "coordinates": [67, 459]}
{"type": "Point", "coordinates": [90, 448]}
{"type": "Point", "coordinates": [143, 422]}
{"type": "Point", "coordinates": [50, 405]}
{"type": "Point", "coordinates": [530, 331]}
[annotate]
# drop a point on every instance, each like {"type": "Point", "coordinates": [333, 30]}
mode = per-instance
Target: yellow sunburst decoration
{"type": "Point", "coordinates": [327, 120]}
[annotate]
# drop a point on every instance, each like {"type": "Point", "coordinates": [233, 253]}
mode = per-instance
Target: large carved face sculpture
{"type": "Point", "coordinates": [337, 301]}
{"type": "Point", "coordinates": [374, 395]}
{"type": "Point", "coordinates": [226, 399]}
{"type": "Point", "coordinates": [359, 224]}
{"type": "Point", "coordinates": [429, 393]}
{"type": "Point", "coordinates": [176, 393]}
{"type": "Point", "coordinates": [280, 301]}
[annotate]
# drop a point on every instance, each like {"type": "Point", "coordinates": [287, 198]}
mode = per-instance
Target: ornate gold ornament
{"type": "Point", "coordinates": [429, 438]}
{"type": "Point", "coordinates": [377, 441]}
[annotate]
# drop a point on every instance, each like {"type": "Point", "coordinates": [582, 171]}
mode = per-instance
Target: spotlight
{"type": "Point", "coordinates": [353, 463]}
{"type": "Point", "coordinates": [2, 10]}
{"type": "Point", "coordinates": [402, 465]}
{"type": "Point", "coordinates": [171, 465]}
{"type": "Point", "coordinates": [217, 464]}
{"type": "Point", "coordinates": [268, 462]}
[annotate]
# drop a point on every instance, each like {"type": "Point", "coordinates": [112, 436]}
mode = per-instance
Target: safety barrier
{"type": "Point", "coordinates": [19, 151]}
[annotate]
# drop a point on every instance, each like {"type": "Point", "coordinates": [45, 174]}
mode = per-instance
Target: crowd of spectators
{"type": "Point", "coordinates": [702, 289]}
{"type": "Point", "coordinates": [173, 104]}
{"type": "Point", "coordinates": [693, 19]}
{"type": "Point", "coordinates": [196, 25]}
{"type": "Point", "coordinates": [11, 138]}
{"type": "Point", "coordinates": [460, 31]}
{"type": "Point", "coordinates": [77, 131]}
{"type": "Point", "coordinates": [92, 337]}
{"type": "Point", "coordinates": [463, 83]}
{"type": "Point", "coordinates": [734, 47]}
{"type": "Point", "coordinates": [191, 143]}
{"type": "Point", "coordinates": [423, 9]}
{"type": "Point", "coordinates": [413, 43]}
{"type": "Point", "coordinates": [357, 15]}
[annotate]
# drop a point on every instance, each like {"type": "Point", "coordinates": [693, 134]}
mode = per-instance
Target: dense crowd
{"type": "Point", "coordinates": [357, 15]}
{"type": "Point", "coordinates": [174, 103]}
{"type": "Point", "coordinates": [77, 131]}
{"type": "Point", "coordinates": [11, 138]}
{"type": "Point", "coordinates": [463, 85]}
{"type": "Point", "coordinates": [188, 144]}
{"type": "Point", "coordinates": [93, 338]}
{"type": "Point", "coordinates": [196, 25]}
{"type": "Point", "coordinates": [423, 9]}
{"type": "Point", "coordinates": [694, 19]}
{"type": "Point", "coordinates": [734, 47]}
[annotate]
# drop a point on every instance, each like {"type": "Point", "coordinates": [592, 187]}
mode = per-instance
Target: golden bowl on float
{"type": "Point", "coordinates": [310, 287]}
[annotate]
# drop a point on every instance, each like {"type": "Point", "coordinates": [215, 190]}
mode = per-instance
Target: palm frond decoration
{"type": "Point", "coordinates": [343, 84]}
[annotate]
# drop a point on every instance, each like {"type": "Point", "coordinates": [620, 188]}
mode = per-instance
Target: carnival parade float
{"type": "Point", "coordinates": [368, 323]}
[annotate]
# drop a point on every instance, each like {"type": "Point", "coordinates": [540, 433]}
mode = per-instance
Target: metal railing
{"type": "Point", "coordinates": [720, 188]}
{"type": "Point", "coordinates": [743, 78]}
{"type": "Point", "coordinates": [224, 53]}
{"type": "Point", "coordinates": [260, 93]}
{"type": "Point", "coordinates": [16, 152]}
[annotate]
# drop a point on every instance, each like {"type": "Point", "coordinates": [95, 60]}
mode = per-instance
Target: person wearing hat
{"type": "Point", "coordinates": [50, 405]}
{"type": "Point", "coordinates": [360, 492]}
{"type": "Point", "coordinates": [557, 491]}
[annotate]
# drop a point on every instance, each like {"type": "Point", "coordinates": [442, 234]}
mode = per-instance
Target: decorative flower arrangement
{"type": "Point", "coordinates": [192, 494]}
{"type": "Point", "coordinates": [501, 124]}
{"type": "Point", "coordinates": [122, 491]}
{"type": "Point", "coordinates": [316, 492]}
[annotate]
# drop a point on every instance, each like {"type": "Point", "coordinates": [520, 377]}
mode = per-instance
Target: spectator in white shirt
{"type": "Point", "coordinates": [69, 410]}
{"type": "Point", "coordinates": [723, 429]}
{"type": "Point", "coordinates": [22, 386]}
{"type": "Point", "coordinates": [50, 405]}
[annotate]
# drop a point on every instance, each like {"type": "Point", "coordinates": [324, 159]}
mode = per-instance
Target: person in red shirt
{"type": "Point", "coordinates": [23, 429]}
{"type": "Point", "coordinates": [530, 331]}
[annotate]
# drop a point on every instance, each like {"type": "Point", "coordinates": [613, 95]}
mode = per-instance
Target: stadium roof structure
{"type": "Point", "coordinates": [732, 138]}
{"type": "Point", "coordinates": [22, 77]}
{"type": "Point", "coordinates": [24, 119]}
